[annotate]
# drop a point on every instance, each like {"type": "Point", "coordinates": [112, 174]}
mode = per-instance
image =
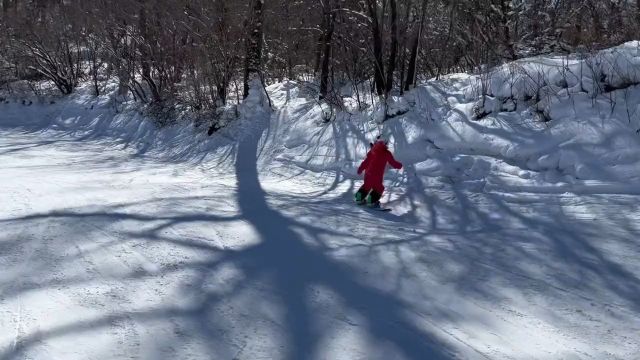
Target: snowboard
{"type": "Point", "coordinates": [381, 209]}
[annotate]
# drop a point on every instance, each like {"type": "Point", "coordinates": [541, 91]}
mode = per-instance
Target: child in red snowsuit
{"type": "Point", "coordinates": [374, 166]}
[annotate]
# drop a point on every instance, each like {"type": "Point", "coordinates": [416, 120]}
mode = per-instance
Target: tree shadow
{"type": "Point", "coordinates": [296, 267]}
{"type": "Point", "coordinates": [291, 265]}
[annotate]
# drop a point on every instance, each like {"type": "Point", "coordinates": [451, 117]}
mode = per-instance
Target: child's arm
{"type": "Point", "coordinates": [393, 162]}
{"type": "Point", "coordinates": [364, 164]}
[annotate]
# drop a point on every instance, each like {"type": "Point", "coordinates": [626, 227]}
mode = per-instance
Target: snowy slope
{"type": "Point", "coordinates": [590, 140]}
{"type": "Point", "coordinates": [510, 238]}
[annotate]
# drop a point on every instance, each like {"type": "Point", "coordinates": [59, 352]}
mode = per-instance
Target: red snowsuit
{"type": "Point", "coordinates": [374, 166]}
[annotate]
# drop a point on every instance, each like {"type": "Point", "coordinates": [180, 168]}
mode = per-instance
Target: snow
{"type": "Point", "coordinates": [510, 238]}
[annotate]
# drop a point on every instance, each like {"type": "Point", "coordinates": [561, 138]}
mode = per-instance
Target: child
{"type": "Point", "coordinates": [374, 166]}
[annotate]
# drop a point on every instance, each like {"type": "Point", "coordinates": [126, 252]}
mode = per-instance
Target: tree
{"type": "Point", "coordinates": [253, 58]}
{"type": "Point", "coordinates": [415, 44]}
{"type": "Point", "coordinates": [376, 31]}
{"type": "Point", "coordinates": [328, 22]}
{"type": "Point", "coordinates": [393, 53]}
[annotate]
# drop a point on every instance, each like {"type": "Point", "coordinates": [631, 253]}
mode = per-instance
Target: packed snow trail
{"type": "Point", "coordinates": [107, 254]}
{"type": "Point", "coordinates": [509, 238]}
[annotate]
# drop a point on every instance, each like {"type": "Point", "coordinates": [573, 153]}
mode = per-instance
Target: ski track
{"type": "Point", "coordinates": [118, 256]}
{"type": "Point", "coordinates": [18, 200]}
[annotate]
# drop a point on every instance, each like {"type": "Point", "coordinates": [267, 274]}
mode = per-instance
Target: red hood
{"type": "Point", "coordinates": [379, 147]}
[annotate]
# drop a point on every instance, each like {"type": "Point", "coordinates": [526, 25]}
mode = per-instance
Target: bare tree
{"type": "Point", "coordinates": [415, 43]}
{"type": "Point", "coordinates": [328, 22]}
{"type": "Point", "coordinates": [393, 52]}
{"type": "Point", "coordinates": [199, 52]}
{"type": "Point", "coordinates": [376, 31]}
{"type": "Point", "coordinates": [253, 58]}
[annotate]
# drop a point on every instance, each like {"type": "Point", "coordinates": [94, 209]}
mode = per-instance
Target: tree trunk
{"type": "Point", "coordinates": [411, 72]}
{"type": "Point", "coordinates": [405, 43]}
{"type": "Point", "coordinates": [94, 71]}
{"type": "Point", "coordinates": [329, 21]}
{"type": "Point", "coordinates": [577, 38]}
{"type": "Point", "coordinates": [377, 47]}
{"type": "Point", "coordinates": [253, 59]}
{"type": "Point", "coordinates": [536, 8]}
{"type": "Point", "coordinates": [319, 47]}
{"type": "Point", "coordinates": [222, 91]}
{"type": "Point", "coordinates": [506, 31]}
{"type": "Point", "coordinates": [596, 22]}
{"type": "Point", "coordinates": [145, 55]}
{"type": "Point", "coordinates": [393, 55]}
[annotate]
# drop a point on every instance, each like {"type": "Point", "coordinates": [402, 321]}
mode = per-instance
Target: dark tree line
{"type": "Point", "coordinates": [205, 53]}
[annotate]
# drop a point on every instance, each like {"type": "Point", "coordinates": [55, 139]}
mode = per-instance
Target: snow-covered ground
{"type": "Point", "coordinates": [509, 238]}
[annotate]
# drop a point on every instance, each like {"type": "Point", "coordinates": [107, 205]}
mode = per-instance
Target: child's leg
{"type": "Point", "coordinates": [361, 194]}
{"type": "Point", "coordinates": [374, 197]}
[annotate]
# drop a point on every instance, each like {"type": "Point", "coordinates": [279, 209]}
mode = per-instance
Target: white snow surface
{"type": "Point", "coordinates": [509, 238]}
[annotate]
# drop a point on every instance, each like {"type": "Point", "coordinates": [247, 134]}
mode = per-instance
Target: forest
{"type": "Point", "coordinates": [203, 53]}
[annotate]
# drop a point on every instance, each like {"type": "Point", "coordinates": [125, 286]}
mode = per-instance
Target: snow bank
{"type": "Point", "coordinates": [128, 125]}
{"type": "Point", "coordinates": [551, 123]}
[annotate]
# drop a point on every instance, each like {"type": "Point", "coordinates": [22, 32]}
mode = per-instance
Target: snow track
{"type": "Point", "coordinates": [118, 240]}
{"type": "Point", "coordinates": [110, 255]}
